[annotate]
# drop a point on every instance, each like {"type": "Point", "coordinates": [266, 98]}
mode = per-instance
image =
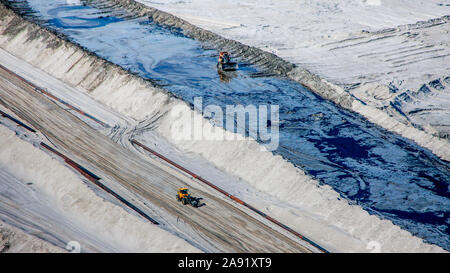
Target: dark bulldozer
{"type": "Point", "coordinates": [185, 197]}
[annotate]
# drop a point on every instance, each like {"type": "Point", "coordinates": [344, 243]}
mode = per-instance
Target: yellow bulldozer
{"type": "Point", "coordinates": [185, 197]}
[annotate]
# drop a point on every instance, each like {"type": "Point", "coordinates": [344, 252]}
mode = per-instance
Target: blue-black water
{"type": "Point", "coordinates": [382, 172]}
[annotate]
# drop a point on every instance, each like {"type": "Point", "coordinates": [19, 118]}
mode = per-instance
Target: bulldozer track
{"type": "Point", "coordinates": [95, 179]}
{"type": "Point", "coordinates": [41, 90]}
